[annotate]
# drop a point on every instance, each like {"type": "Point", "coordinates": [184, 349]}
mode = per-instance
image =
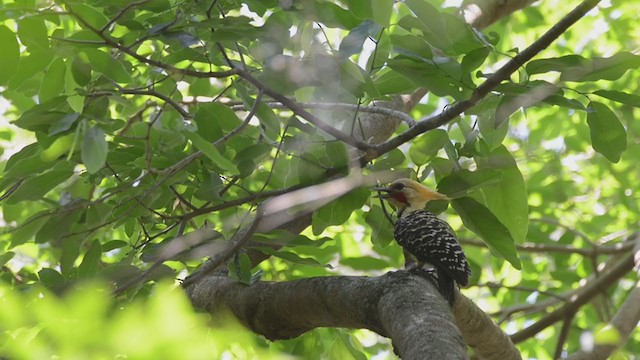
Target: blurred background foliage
{"type": "Point", "coordinates": [118, 135]}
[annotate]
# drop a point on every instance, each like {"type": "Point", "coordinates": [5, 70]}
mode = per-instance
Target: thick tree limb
{"type": "Point", "coordinates": [400, 305]}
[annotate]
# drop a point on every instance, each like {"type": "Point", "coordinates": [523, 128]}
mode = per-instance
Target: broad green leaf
{"type": "Point", "coordinates": [356, 80]}
{"type": "Point", "coordinates": [381, 11]}
{"type": "Point", "coordinates": [107, 65]}
{"type": "Point", "coordinates": [214, 120]}
{"type": "Point", "coordinates": [353, 42]}
{"type": "Point", "coordinates": [36, 187]}
{"type": "Point", "coordinates": [6, 257]}
{"type": "Point", "coordinates": [620, 96]}
{"type": "Point", "coordinates": [51, 279]}
{"type": "Point", "coordinates": [33, 33]}
{"type": "Point", "coordinates": [27, 230]}
{"type": "Point", "coordinates": [475, 59]}
{"type": "Point", "coordinates": [338, 210]}
{"type": "Point", "coordinates": [10, 54]}
{"type": "Point", "coordinates": [508, 198]}
{"type": "Point", "coordinates": [240, 268]}
{"type": "Point", "coordinates": [365, 263]}
{"type": "Point", "coordinates": [426, 147]}
{"type": "Point", "coordinates": [492, 131]}
{"type": "Point", "coordinates": [81, 71]}
{"type": "Point", "coordinates": [388, 81]}
{"type": "Point", "coordinates": [91, 261]}
{"type": "Point", "coordinates": [59, 147]}
{"type": "Point", "coordinates": [211, 152]}
{"type": "Point", "coordinates": [461, 183]}
{"type": "Point", "coordinates": [63, 124]}
{"type": "Point", "coordinates": [465, 40]}
{"type": "Point", "coordinates": [381, 227]}
{"type": "Point", "coordinates": [42, 116]}
{"type": "Point", "coordinates": [598, 68]}
{"type": "Point", "coordinates": [431, 22]}
{"type": "Point", "coordinates": [91, 15]}
{"type": "Point", "coordinates": [289, 256]}
{"type": "Point", "coordinates": [286, 238]}
{"type": "Point", "coordinates": [267, 117]}
{"type": "Point", "coordinates": [608, 136]}
{"type": "Point", "coordinates": [94, 149]}
{"type": "Point", "coordinates": [477, 218]}
{"type": "Point", "coordinates": [411, 45]}
{"type": "Point", "coordinates": [53, 82]}
{"type": "Point", "coordinates": [578, 68]}
{"type": "Point", "coordinates": [68, 256]}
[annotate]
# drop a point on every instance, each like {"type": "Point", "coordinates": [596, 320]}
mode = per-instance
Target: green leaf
{"type": "Point", "coordinates": [214, 120]}
{"type": "Point", "coordinates": [10, 54]}
{"type": "Point", "coordinates": [33, 33]}
{"type": "Point", "coordinates": [53, 82]}
{"type": "Point", "coordinates": [59, 147]}
{"type": "Point", "coordinates": [51, 279]}
{"type": "Point", "coordinates": [107, 65]}
{"type": "Point", "coordinates": [475, 59]}
{"type": "Point", "coordinates": [493, 131]}
{"type": "Point", "coordinates": [91, 261]}
{"type": "Point", "coordinates": [364, 263]}
{"type": "Point", "coordinates": [114, 244]}
{"type": "Point", "coordinates": [68, 256]}
{"type": "Point", "coordinates": [338, 211]}
{"type": "Point", "coordinates": [411, 45]}
{"type": "Point", "coordinates": [507, 198]}
{"type": "Point", "coordinates": [477, 218]}
{"type": "Point", "coordinates": [240, 268]}
{"type": "Point", "coordinates": [63, 124]}
{"type": "Point", "coordinates": [426, 147]}
{"type": "Point", "coordinates": [36, 187]}
{"type": "Point", "coordinates": [620, 96]}
{"type": "Point", "coordinates": [608, 136]}
{"type": "Point", "coordinates": [6, 257]}
{"type": "Point", "coordinates": [431, 22]}
{"type": "Point", "coordinates": [289, 256]}
{"type": "Point", "coordinates": [352, 43]}
{"type": "Point", "coordinates": [94, 149]}
{"type": "Point", "coordinates": [381, 227]}
{"type": "Point", "coordinates": [389, 81]}
{"type": "Point", "coordinates": [91, 15]}
{"type": "Point", "coordinates": [211, 152]}
{"type": "Point", "coordinates": [461, 183]}
{"type": "Point", "coordinates": [578, 68]}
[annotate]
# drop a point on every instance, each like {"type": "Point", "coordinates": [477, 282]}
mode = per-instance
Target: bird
{"type": "Point", "coordinates": [425, 236]}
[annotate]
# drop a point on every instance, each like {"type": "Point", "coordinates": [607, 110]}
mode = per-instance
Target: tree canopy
{"type": "Point", "coordinates": [230, 147]}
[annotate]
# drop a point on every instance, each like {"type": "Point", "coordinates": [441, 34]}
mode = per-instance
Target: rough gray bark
{"type": "Point", "coordinates": [400, 305]}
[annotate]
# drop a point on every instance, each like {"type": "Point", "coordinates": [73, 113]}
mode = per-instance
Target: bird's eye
{"type": "Point", "coordinates": [397, 186]}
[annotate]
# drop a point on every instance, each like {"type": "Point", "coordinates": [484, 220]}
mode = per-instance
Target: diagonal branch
{"type": "Point", "coordinates": [588, 292]}
{"type": "Point", "coordinates": [481, 91]}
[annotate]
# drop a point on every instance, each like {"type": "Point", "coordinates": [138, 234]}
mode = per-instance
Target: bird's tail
{"type": "Point", "coordinates": [446, 285]}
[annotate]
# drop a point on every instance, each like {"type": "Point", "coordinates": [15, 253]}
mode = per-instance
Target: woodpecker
{"type": "Point", "coordinates": [428, 238]}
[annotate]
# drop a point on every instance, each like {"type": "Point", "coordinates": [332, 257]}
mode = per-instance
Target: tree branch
{"type": "Point", "coordinates": [400, 305]}
{"type": "Point", "coordinates": [481, 91]}
{"type": "Point", "coordinates": [625, 321]}
{"type": "Point", "coordinates": [581, 297]}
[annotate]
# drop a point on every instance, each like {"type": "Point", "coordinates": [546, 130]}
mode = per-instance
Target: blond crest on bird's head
{"type": "Point", "coordinates": [410, 195]}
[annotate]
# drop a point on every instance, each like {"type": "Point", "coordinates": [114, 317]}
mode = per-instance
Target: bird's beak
{"type": "Point", "coordinates": [383, 192]}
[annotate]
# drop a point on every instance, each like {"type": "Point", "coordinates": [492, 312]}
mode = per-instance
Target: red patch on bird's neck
{"type": "Point", "coordinates": [399, 197]}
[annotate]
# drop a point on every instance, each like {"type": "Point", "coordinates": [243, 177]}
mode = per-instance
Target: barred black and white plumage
{"type": "Point", "coordinates": [431, 240]}
{"type": "Point", "coordinates": [425, 236]}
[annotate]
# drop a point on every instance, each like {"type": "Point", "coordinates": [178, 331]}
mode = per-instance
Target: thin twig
{"type": "Point", "coordinates": [237, 241]}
